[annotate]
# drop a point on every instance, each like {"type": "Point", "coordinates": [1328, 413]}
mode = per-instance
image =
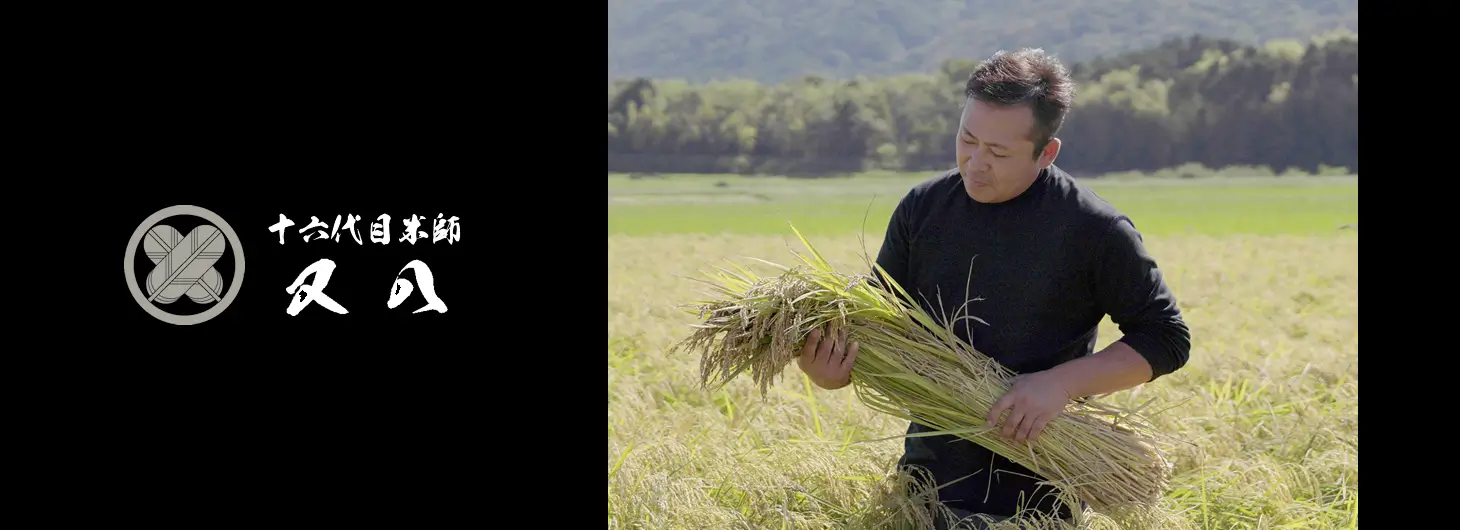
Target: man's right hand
{"type": "Point", "coordinates": [828, 363]}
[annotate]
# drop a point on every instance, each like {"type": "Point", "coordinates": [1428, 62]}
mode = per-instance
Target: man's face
{"type": "Point", "coordinates": [995, 152]}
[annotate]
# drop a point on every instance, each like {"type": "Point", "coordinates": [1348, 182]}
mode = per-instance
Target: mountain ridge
{"type": "Point", "coordinates": [774, 41]}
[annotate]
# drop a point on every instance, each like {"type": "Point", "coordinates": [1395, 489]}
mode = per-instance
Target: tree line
{"type": "Point", "coordinates": [1285, 105]}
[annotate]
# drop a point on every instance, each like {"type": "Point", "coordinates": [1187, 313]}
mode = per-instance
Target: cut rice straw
{"type": "Point", "coordinates": [914, 368]}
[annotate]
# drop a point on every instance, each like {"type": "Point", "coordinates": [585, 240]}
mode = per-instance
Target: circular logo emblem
{"type": "Point", "coordinates": [178, 264]}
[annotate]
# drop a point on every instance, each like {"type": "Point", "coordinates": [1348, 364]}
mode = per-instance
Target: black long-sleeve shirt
{"type": "Point", "coordinates": [1046, 267]}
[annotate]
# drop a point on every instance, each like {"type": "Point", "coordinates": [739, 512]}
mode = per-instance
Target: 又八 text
{"type": "Point", "coordinates": [442, 228]}
{"type": "Point", "coordinates": [304, 294]}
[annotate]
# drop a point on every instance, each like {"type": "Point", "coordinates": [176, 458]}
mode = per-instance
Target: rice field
{"type": "Point", "coordinates": [1269, 402]}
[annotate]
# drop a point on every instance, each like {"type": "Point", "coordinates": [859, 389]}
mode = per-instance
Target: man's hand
{"type": "Point", "coordinates": [1032, 401]}
{"type": "Point", "coordinates": [828, 362]}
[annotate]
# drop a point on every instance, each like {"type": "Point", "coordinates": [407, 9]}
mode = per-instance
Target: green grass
{"type": "Point", "coordinates": [1210, 206]}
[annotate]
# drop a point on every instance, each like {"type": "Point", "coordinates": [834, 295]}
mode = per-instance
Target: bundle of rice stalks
{"type": "Point", "coordinates": [912, 367]}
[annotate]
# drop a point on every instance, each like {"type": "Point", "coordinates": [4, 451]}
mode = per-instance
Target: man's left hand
{"type": "Point", "coordinates": [1032, 401]}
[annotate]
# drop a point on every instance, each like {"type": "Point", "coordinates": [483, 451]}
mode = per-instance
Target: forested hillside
{"type": "Point", "coordinates": [774, 40]}
{"type": "Point", "coordinates": [1284, 104]}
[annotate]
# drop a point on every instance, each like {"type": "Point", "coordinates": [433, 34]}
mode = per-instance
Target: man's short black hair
{"type": "Point", "coordinates": [1028, 76]}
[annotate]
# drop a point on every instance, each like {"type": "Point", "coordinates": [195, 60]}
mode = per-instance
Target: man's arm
{"type": "Point", "coordinates": [1115, 368]}
{"type": "Point", "coordinates": [1156, 342]}
{"type": "Point", "coordinates": [1129, 287]}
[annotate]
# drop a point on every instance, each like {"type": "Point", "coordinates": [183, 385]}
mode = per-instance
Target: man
{"type": "Point", "coordinates": [1049, 260]}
